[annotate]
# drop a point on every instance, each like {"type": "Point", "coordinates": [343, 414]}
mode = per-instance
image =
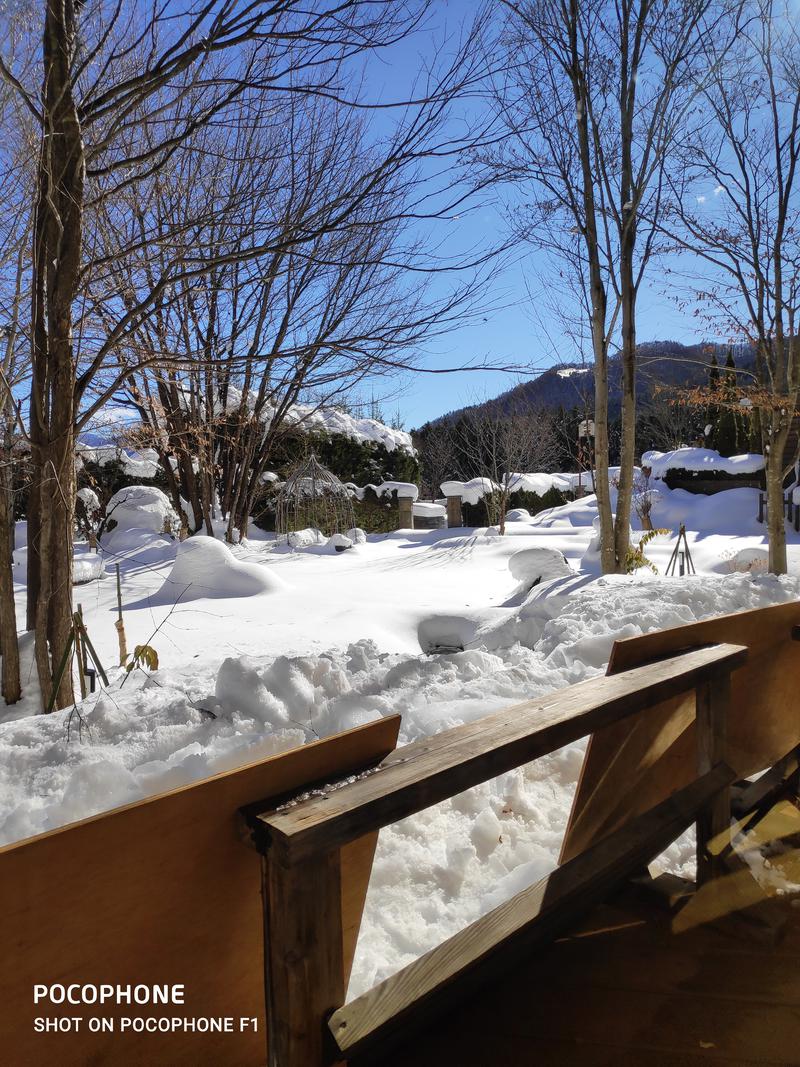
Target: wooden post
{"type": "Point", "coordinates": [713, 701]}
{"type": "Point", "coordinates": [760, 507]}
{"type": "Point", "coordinates": [405, 513]}
{"type": "Point", "coordinates": [454, 517]}
{"type": "Point", "coordinates": [120, 625]}
{"type": "Point", "coordinates": [303, 958]}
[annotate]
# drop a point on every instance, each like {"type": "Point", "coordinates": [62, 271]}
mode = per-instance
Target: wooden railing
{"type": "Point", "coordinates": [302, 843]}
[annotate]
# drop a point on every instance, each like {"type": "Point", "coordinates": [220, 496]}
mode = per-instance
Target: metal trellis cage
{"type": "Point", "coordinates": [313, 497]}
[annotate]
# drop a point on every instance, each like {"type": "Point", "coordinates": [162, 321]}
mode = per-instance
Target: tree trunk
{"type": "Point", "coordinates": [622, 524]}
{"type": "Point", "coordinates": [776, 527]}
{"type": "Point", "coordinates": [10, 686]}
{"type": "Point", "coordinates": [56, 266]}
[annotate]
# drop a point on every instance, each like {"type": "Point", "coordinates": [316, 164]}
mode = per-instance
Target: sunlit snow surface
{"type": "Point", "coordinates": [300, 644]}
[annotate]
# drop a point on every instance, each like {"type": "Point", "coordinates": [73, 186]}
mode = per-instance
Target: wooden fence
{"type": "Point", "coordinates": [308, 1022]}
{"type": "Point", "coordinates": [172, 890]}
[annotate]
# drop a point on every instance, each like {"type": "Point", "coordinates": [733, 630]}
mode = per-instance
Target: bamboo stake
{"type": "Point", "coordinates": [76, 629]}
{"type": "Point", "coordinates": [120, 625]}
{"type": "Point", "coordinates": [90, 648]}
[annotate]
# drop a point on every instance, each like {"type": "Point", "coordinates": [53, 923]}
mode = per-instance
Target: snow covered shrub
{"type": "Point", "coordinates": [142, 507]}
{"type": "Point", "coordinates": [644, 496]}
{"type": "Point", "coordinates": [88, 513]}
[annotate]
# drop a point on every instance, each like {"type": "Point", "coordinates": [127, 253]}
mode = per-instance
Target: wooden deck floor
{"type": "Point", "coordinates": [624, 989]}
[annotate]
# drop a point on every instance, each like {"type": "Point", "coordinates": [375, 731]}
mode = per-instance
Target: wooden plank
{"type": "Point", "coordinates": [644, 997]}
{"type": "Point", "coordinates": [768, 787]}
{"type": "Point", "coordinates": [304, 965]}
{"type": "Point", "coordinates": [428, 771]}
{"type": "Point", "coordinates": [713, 822]}
{"type": "Point", "coordinates": [484, 949]}
{"type": "Point", "coordinates": [167, 890]}
{"type": "Point", "coordinates": [629, 768]}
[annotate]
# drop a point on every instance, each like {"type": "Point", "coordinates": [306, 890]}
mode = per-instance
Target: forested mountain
{"type": "Point", "coordinates": [662, 367]}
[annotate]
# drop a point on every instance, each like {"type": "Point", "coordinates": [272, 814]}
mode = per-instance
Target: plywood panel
{"type": "Point", "coordinates": [163, 891]}
{"type": "Point", "coordinates": [631, 766]}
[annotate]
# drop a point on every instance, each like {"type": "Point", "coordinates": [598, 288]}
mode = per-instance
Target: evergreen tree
{"type": "Point", "coordinates": [712, 412]}
{"type": "Point", "coordinates": [730, 437]}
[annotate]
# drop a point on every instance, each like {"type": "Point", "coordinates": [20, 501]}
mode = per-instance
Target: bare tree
{"type": "Point", "coordinates": [593, 96]}
{"type": "Point", "coordinates": [500, 445]}
{"type": "Point", "coordinates": [123, 91]}
{"type": "Point", "coordinates": [738, 211]}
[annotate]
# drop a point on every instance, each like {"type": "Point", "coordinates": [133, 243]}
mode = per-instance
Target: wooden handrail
{"type": "Point", "coordinates": [499, 939]}
{"type": "Point", "coordinates": [429, 771]}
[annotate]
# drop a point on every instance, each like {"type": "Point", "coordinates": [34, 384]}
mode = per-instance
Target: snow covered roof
{"type": "Point", "coordinates": [701, 459]}
{"type": "Point", "coordinates": [404, 490]}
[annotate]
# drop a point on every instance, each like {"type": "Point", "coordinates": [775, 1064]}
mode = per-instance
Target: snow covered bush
{"type": "Point", "coordinates": [142, 507]}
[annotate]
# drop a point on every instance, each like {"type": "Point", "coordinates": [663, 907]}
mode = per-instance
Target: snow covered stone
{"type": "Point", "coordinates": [86, 565]}
{"type": "Point", "coordinates": [340, 542]}
{"type": "Point", "coordinates": [357, 536]}
{"type": "Point", "coordinates": [141, 507]}
{"type": "Point", "coordinates": [306, 538]}
{"type": "Point", "coordinates": [205, 567]}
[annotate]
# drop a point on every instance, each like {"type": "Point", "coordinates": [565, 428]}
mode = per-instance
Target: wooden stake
{"type": "Point", "coordinates": [120, 625]}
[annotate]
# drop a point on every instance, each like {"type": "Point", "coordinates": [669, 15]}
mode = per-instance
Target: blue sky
{"type": "Point", "coordinates": [516, 329]}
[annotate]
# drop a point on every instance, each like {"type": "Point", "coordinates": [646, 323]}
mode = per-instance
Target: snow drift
{"type": "Point", "coordinates": [205, 567]}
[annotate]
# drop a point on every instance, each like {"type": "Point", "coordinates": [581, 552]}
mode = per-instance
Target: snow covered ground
{"type": "Point", "coordinates": [263, 647]}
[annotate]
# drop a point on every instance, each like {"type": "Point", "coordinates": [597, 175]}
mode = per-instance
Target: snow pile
{"type": "Point", "coordinates": [530, 566]}
{"type": "Point", "coordinates": [750, 560]}
{"type": "Point", "coordinates": [701, 459]}
{"type": "Point", "coordinates": [429, 510]}
{"type": "Point", "coordinates": [141, 507]}
{"type": "Point", "coordinates": [340, 542]}
{"type": "Point", "coordinates": [86, 565]}
{"type": "Point", "coordinates": [205, 567]}
{"type": "Point", "coordinates": [357, 536]}
{"type": "Point", "coordinates": [306, 538]}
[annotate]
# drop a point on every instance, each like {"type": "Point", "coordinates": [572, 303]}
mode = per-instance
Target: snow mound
{"type": "Point", "coordinates": [306, 538]}
{"type": "Point", "coordinates": [357, 536]}
{"type": "Point", "coordinates": [340, 542]}
{"type": "Point", "coordinates": [750, 561]}
{"type": "Point", "coordinates": [518, 515]}
{"type": "Point", "coordinates": [533, 565]}
{"type": "Point", "coordinates": [205, 567]}
{"type": "Point", "coordinates": [141, 507]}
{"type": "Point", "coordinates": [86, 566]}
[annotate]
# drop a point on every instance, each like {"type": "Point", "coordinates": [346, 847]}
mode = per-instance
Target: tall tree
{"type": "Point", "coordinates": [593, 96]}
{"type": "Point", "coordinates": [739, 215]}
{"type": "Point", "coordinates": [124, 89]}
